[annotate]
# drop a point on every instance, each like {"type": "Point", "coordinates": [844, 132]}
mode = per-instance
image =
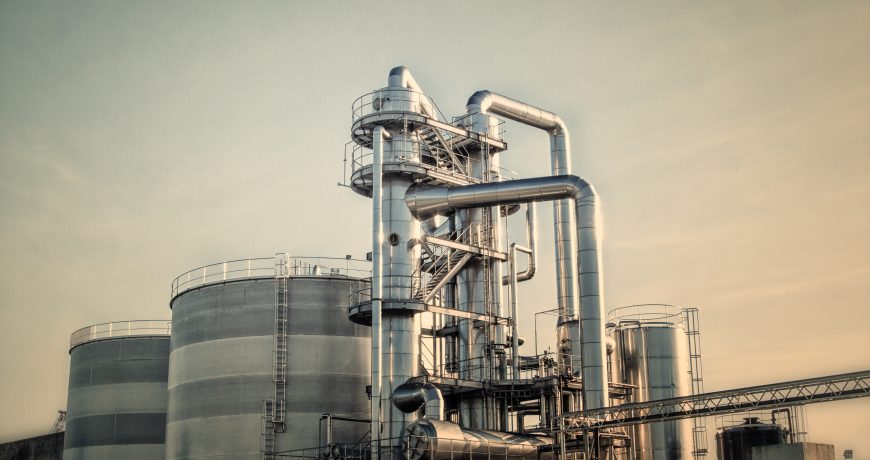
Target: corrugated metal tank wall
{"type": "Point", "coordinates": [654, 357]}
{"type": "Point", "coordinates": [221, 366]}
{"type": "Point", "coordinates": [116, 406]}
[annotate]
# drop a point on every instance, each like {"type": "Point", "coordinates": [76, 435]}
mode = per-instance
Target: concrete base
{"type": "Point", "coordinates": [46, 447]}
{"type": "Point", "coordinates": [796, 451]}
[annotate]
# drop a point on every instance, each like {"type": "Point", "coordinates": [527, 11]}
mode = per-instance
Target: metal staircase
{"type": "Point", "coordinates": [445, 267]}
{"type": "Point", "coordinates": [441, 149]}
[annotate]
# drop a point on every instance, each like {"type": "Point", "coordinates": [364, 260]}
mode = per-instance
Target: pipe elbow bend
{"type": "Point", "coordinates": [479, 102]}
{"type": "Point", "coordinates": [582, 189]}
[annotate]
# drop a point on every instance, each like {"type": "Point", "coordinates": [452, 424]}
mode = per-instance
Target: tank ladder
{"type": "Point", "coordinates": [275, 409]}
{"type": "Point", "coordinates": [693, 334]}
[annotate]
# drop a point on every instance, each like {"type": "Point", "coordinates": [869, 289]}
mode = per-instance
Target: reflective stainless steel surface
{"type": "Point", "coordinates": [116, 405]}
{"type": "Point", "coordinates": [425, 200]}
{"type": "Point", "coordinates": [222, 357]}
{"type": "Point", "coordinates": [410, 397]}
{"type": "Point", "coordinates": [652, 354]}
{"type": "Point", "coordinates": [530, 248]}
{"type": "Point", "coordinates": [430, 439]}
{"type": "Point", "coordinates": [560, 160]}
{"type": "Point", "coordinates": [378, 138]}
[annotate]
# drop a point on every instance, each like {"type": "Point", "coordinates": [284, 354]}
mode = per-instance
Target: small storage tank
{"type": "Point", "coordinates": [116, 405]}
{"type": "Point", "coordinates": [261, 348]}
{"type": "Point", "coordinates": [736, 442]}
{"type": "Point", "coordinates": [652, 354]}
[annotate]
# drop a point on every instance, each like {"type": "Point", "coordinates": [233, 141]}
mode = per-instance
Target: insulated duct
{"type": "Point", "coordinates": [428, 439]}
{"type": "Point", "coordinates": [410, 397]}
{"type": "Point", "coordinates": [425, 201]}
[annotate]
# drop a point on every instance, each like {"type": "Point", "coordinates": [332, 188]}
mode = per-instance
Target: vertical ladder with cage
{"type": "Point", "coordinates": [274, 409]}
{"type": "Point", "coordinates": [696, 378]}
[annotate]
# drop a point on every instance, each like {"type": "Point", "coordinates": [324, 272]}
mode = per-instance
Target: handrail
{"type": "Point", "coordinates": [268, 267]}
{"type": "Point", "coordinates": [361, 157]}
{"type": "Point", "coordinates": [408, 100]}
{"type": "Point", "coordinates": [645, 313]}
{"type": "Point", "coordinates": [132, 328]}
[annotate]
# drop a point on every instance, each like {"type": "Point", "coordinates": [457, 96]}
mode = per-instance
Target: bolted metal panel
{"type": "Point", "coordinates": [221, 366]}
{"type": "Point", "coordinates": [117, 397]}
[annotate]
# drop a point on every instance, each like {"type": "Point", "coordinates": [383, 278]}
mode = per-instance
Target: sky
{"type": "Point", "coordinates": [729, 141]}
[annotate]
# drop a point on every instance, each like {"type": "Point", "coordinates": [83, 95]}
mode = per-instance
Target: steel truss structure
{"type": "Point", "coordinates": [770, 396]}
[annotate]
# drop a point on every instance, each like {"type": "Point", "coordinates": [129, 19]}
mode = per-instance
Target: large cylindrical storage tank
{"type": "Point", "coordinates": [116, 405]}
{"type": "Point", "coordinates": [652, 354]}
{"type": "Point", "coordinates": [229, 346]}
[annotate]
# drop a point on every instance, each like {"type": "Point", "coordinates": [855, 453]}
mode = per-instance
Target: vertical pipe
{"type": "Point", "coordinates": [515, 343]}
{"type": "Point", "coordinates": [380, 134]}
{"type": "Point", "coordinates": [592, 345]}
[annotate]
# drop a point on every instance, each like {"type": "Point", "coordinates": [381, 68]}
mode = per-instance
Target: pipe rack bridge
{"type": "Point", "coordinates": [770, 396]}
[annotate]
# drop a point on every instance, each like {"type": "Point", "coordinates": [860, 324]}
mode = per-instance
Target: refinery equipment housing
{"type": "Point", "coordinates": [414, 353]}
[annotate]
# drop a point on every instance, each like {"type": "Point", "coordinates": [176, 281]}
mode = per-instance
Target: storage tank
{"type": "Point", "coordinates": [261, 348]}
{"type": "Point", "coordinates": [736, 442]}
{"type": "Point", "coordinates": [652, 354]}
{"type": "Point", "coordinates": [116, 405]}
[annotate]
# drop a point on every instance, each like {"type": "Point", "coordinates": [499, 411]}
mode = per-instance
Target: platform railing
{"type": "Point", "coordinates": [646, 313]}
{"type": "Point", "coordinates": [114, 329]}
{"type": "Point", "coordinates": [267, 267]}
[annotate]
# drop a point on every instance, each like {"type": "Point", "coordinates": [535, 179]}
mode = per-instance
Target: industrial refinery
{"type": "Point", "coordinates": [413, 352]}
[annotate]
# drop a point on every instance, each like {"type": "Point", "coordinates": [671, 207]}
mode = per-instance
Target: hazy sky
{"type": "Point", "coordinates": [730, 142]}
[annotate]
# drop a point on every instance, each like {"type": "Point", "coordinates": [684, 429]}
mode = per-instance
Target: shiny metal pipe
{"type": "Point", "coordinates": [560, 161]}
{"type": "Point", "coordinates": [379, 136]}
{"type": "Point", "coordinates": [401, 77]}
{"type": "Point", "coordinates": [410, 397]}
{"type": "Point", "coordinates": [424, 200]}
{"type": "Point", "coordinates": [532, 242]}
{"type": "Point", "coordinates": [440, 440]}
{"type": "Point", "coordinates": [515, 340]}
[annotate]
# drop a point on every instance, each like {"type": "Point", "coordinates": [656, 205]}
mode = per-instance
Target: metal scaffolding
{"type": "Point", "coordinates": [771, 396]}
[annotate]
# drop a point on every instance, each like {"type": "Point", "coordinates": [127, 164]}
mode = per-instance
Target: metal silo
{"type": "Point", "coordinates": [116, 406]}
{"type": "Point", "coordinates": [261, 349]}
{"type": "Point", "coordinates": [652, 354]}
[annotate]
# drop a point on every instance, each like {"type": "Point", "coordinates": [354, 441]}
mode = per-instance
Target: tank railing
{"type": "Point", "coordinates": [646, 313]}
{"type": "Point", "coordinates": [400, 100]}
{"type": "Point", "coordinates": [120, 329]}
{"type": "Point", "coordinates": [793, 420]}
{"type": "Point", "coordinates": [266, 267]}
{"type": "Point", "coordinates": [422, 448]}
{"type": "Point", "coordinates": [361, 157]}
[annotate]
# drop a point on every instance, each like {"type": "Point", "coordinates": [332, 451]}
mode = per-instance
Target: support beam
{"type": "Point", "coordinates": [771, 396]}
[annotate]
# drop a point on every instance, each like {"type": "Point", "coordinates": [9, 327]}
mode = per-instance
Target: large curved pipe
{"type": "Point", "coordinates": [485, 102]}
{"type": "Point", "coordinates": [400, 77]}
{"type": "Point", "coordinates": [425, 200]}
{"type": "Point", "coordinates": [410, 397]}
